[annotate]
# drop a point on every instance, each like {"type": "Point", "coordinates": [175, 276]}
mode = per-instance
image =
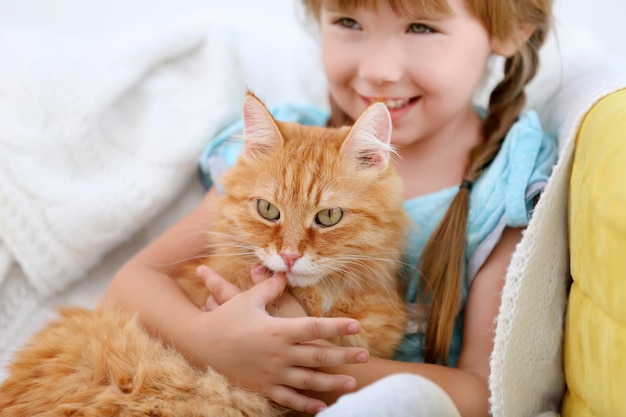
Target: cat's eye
{"type": "Point", "coordinates": [267, 210]}
{"type": "Point", "coordinates": [329, 217]}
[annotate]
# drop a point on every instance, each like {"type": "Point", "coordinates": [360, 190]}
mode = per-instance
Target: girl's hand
{"type": "Point", "coordinates": [272, 355]}
{"type": "Point", "coordinates": [283, 306]}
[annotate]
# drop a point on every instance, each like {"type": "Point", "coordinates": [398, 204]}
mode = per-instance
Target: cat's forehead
{"type": "Point", "coordinates": [304, 187]}
{"type": "Point", "coordinates": [295, 134]}
{"type": "Point", "coordinates": [308, 167]}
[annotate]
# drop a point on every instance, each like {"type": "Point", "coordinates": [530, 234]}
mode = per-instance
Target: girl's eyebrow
{"type": "Point", "coordinates": [335, 9]}
{"type": "Point", "coordinates": [428, 18]}
{"type": "Point", "coordinates": [431, 15]}
{"type": "Point", "coordinates": [413, 17]}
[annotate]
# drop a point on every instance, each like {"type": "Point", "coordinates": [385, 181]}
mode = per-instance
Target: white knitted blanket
{"type": "Point", "coordinates": [99, 136]}
{"type": "Point", "coordinates": [96, 136]}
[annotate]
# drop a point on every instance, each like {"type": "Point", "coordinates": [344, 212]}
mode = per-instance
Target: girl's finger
{"type": "Point", "coordinates": [220, 289]}
{"type": "Point", "coordinates": [318, 356]}
{"type": "Point", "coordinates": [311, 380]}
{"type": "Point", "coordinates": [294, 400]}
{"type": "Point", "coordinates": [307, 329]}
{"type": "Point", "coordinates": [210, 304]}
{"type": "Point", "coordinates": [260, 273]}
{"type": "Point", "coordinates": [267, 291]}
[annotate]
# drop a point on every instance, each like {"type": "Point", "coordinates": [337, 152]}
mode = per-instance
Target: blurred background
{"type": "Point", "coordinates": [86, 17]}
{"type": "Point", "coordinates": [599, 27]}
{"type": "Point", "coordinates": [604, 18]}
{"type": "Point", "coordinates": [601, 18]}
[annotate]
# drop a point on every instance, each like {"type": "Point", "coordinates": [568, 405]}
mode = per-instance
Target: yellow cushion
{"type": "Point", "coordinates": [595, 326]}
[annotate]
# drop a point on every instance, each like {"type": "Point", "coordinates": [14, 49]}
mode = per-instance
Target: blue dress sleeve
{"type": "Point", "coordinates": [504, 195]}
{"type": "Point", "coordinates": [222, 151]}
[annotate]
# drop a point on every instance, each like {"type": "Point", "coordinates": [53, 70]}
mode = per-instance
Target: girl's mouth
{"type": "Point", "coordinates": [398, 107]}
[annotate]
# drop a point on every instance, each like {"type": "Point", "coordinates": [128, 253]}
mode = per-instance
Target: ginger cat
{"type": "Point", "coordinates": [323, 205]}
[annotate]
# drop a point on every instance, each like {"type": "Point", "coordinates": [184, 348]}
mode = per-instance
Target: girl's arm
{"type": "Point", "coordinates": [238, 338]}
{"type": "Point", "coordinates": [467, 384]}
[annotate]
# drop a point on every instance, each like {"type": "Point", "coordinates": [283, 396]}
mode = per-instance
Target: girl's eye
{"type": "Point", "coordinates": [329, 217]}
{"type": "Point", "coordinates": [267, 210]}
{"type": "Point", "coordinates": [348, 22]}
{"type": "Point", "coordinates": [419, 28]}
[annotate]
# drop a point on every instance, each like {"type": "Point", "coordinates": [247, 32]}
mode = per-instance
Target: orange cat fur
{"type": "Point", "coordinates": [325, 201]}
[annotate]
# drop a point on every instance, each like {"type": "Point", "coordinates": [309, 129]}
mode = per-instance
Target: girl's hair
{"type": "Point", "coordinates": [442, 261]}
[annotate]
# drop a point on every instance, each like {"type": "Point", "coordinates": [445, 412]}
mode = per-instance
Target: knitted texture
{"type": "Point", "coordinates": [96, 137]}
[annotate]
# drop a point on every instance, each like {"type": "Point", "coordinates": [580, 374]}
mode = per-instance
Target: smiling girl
{"type": "Point", "coordinates": [471, 177]}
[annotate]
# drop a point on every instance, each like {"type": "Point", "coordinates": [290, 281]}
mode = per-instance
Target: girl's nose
{"type": "Point", "coordinates": [382, 62]}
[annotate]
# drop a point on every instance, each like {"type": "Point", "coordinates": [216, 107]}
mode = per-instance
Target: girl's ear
{"type": "Point", "coordinates": [509, 46]}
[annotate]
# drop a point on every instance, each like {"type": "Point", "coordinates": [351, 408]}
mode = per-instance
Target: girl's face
{"type": "Point", "coordinates": [424, 69]}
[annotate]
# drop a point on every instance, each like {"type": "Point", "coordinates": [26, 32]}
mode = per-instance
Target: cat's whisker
{"type": "Point", "coordinates": [364, 264]}
{"type": "Point", "coordinates": [357, 280]}
{"type": "Point", "coordinates": [387, 297]}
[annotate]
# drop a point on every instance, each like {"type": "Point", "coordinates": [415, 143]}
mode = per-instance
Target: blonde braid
{"type": "Point", "coordinates": [442, 261]}
{"type": "Point", "coordinates": [506, 101]}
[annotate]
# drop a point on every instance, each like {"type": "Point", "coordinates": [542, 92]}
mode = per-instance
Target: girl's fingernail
{"type": "Point", "coordinates": [361, 357]}
{"type": "Point", "coordinates": [353, 328]}
{"type": "Point", "coordinates": [349, 385]}
{"type": "Point", "coordinates": [200, 270]}
{"type": "Point", "coordinates": [260, 269]}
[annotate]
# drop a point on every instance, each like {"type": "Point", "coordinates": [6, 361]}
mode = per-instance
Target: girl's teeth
{"type": "Point", "coordinates": [393, 104]}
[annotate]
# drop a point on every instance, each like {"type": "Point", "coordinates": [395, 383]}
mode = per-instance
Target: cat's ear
{"type": "Point", "coordinates": [259, 128]}
{"type": "Point", "coordinates": [369, 140]}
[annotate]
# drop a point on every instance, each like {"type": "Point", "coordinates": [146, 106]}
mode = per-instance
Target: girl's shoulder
{"type": "Point", "coordinates": [505, 193]}
{"type": "Point", "coordinates": [520, 169]}
{"type": "Point", "coordinates": [223, 149]}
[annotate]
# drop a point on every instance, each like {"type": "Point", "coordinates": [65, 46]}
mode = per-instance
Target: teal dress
{"type": "Point", "coordinates": [501, 197]}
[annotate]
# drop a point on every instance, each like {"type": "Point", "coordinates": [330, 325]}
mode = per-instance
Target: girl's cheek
{"type": "Point", "coordinates": [332, 65]}
{"type": "Point", "coordinates": [339, 62]}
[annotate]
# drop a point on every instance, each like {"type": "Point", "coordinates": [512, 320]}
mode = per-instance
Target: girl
{"type": "Point", "coordinates": [470, 176]}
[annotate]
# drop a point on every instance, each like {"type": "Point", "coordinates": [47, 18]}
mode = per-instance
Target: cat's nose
{"type": "Point", "coordinates": [289, 258]}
